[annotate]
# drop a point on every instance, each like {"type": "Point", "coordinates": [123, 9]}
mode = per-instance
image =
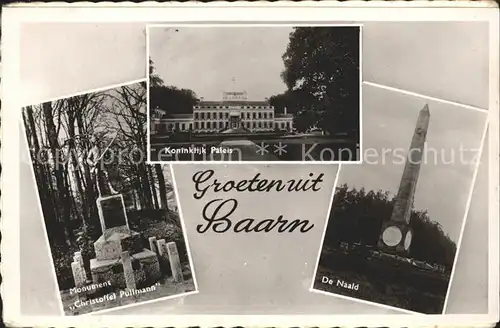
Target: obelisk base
{"type": "Point", "coordinates": [395, 238]}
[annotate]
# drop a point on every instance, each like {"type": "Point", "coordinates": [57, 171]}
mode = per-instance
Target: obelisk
{"type": "Point", "coordinates": [396, 234]}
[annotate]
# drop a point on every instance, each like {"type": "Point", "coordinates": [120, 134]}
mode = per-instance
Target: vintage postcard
{"type": "Point", "coordinates": [111, 220]}
{"type": "Point", "coordinates": [254, 93]}
{"type": "Point", "coordinates": [395, 221]}
{"type": "Point", "coordinates": [144, 178]}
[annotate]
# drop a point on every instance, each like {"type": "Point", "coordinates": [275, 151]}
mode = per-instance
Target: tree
{"type": "Point", "coordinates": [59, 169]}
{"type": "Point", "coordinates": [295, 101]}
{"type": "Point", "coordinates": [58, 135]}
{"type": "Point", "coordinates": [323, 62]}
{"type": "Point", "coordinates": [154, 79]}
{"type": "Point", "coordinates": [172, 100]}
{"type": "Point", "coordinates": [357, 216]}
{"type": "Point", "coordinates": [161, 186]}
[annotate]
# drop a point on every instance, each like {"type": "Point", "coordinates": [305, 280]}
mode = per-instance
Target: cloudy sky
{"type": "Point", "coordinates": [206, 60]}
{"type": "Point", "coordinates": [389, 120]}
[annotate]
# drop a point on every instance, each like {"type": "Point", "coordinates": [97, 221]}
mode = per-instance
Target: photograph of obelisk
{"type": "Point", "coordinates": [396, 233]}
{"type": "Point", "coordinates": [395, 220]}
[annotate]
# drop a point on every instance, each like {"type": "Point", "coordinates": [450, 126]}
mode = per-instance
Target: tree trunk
{"type": "Point", "coordinates": [134, 197]}
{"type": "Point", "coordinates": [76, 171]}
{"type": "Point", "coordinates": [43, 180]}
{"type": "Point", "coordinates": [90, 191]}
{"type": "Point", "coordinates": [161, 186]}
{"type": "Point", "coordinates": [145, 188]}
{"type": "Point", "coordinates": [58, 170]}
{"type": "Point", "coordinates": [153, 187]}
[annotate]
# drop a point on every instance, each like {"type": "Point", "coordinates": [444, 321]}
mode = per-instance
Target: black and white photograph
{"type": "Point", "coordinates": [395, 222]}
{"type": "Point", "coordinates": [101, 228]}
{"type": "Point", "coordinates": [254, 93]}
{"type": "Point", "coordinates": [111, 220]}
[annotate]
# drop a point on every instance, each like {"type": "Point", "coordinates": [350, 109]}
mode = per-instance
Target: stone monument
{"type": "Point", "coordinates": [169, 259]}
{"type": "Point", "coordinates": [120, 255]}
{"type": "Point", "coordinates": [396, 234]}
{"type": "Point", "coordinates": [78, 269]}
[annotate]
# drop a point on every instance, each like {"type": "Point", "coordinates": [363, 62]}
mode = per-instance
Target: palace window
{"type": "Point", "coordinates": [209, 125]}
{"type": "Point", "coordinates": [202, 125]}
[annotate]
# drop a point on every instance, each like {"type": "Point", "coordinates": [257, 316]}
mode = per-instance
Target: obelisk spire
{"type": "Point", "coordinates": [407, 187]}
{"type": "Point", "coordinates": [396, 233]}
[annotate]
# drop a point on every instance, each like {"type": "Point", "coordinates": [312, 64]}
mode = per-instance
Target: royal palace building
{"type": "Point", "coordinates": [233, 111]}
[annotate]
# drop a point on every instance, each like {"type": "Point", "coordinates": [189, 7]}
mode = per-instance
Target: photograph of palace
{"type": "Point", "coordinates": [254, 93]}
{"type": "Point", "coordinates": [395, 221]}
{"type": "Point", "coordinates": [232, 112]}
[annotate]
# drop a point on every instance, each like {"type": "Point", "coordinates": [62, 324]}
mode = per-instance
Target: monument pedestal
{"type": "Point", "coordinates": [117, 239]}
{"type": "Point", "coordinates": [395, 238]}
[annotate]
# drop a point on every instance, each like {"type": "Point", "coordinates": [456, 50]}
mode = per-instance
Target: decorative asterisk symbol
{"type": "Point", "coordinates": [280, 148]}
{"type": "Point", "coordinates": [262, 149]}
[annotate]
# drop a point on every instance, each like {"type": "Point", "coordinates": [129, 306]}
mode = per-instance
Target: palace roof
{"type": "Point", "coordinates": [234, 103]}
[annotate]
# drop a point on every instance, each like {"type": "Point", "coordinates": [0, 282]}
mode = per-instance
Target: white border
{"type": "Point", "coordinates": [14, 15]}
{"type": "Point", "coordinates": [464, 218]}
{"type": "Point", "coordinates": [359, 148]}
{"type": "Point", "coordinates": [183, 224]}
{"type": "Point", "coordinates": [493, 170]}
{"type": "Point", "coordinates": [466, 214]}
{"type": "Point", "coordinates": [47, 243]}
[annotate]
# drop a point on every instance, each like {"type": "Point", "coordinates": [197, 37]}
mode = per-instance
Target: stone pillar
{"type": "Point", "coordinates": [128, 271]}
{"type": "Point", "coordinates": [152, 244]}
{"type": "Point", "coordinates": [163, 256]}
{"type": "Point", "coordinates": [78, 274]}
{"type": "Point", "coordinates": [79, 259]}
{"type": "Point", "coordinates": [175, 263]}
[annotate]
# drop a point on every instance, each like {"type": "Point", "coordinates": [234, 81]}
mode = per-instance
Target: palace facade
{"type": "Point", "coordinates": [233, 111]}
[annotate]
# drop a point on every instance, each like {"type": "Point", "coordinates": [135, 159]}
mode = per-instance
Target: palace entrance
{"type": "Point", "coordinates": [234, 120]}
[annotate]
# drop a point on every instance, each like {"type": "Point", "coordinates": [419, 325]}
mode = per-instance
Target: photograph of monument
{"type": "Point", "coordinates": [112, 221]}
{"type": "Point", "coordinates": [395, 221]}
{"type": "Point", "coordinates": [254, 93]}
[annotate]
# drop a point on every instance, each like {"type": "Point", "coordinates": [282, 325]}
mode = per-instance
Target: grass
{"type": "Point", "coordinates": [377, 284]}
